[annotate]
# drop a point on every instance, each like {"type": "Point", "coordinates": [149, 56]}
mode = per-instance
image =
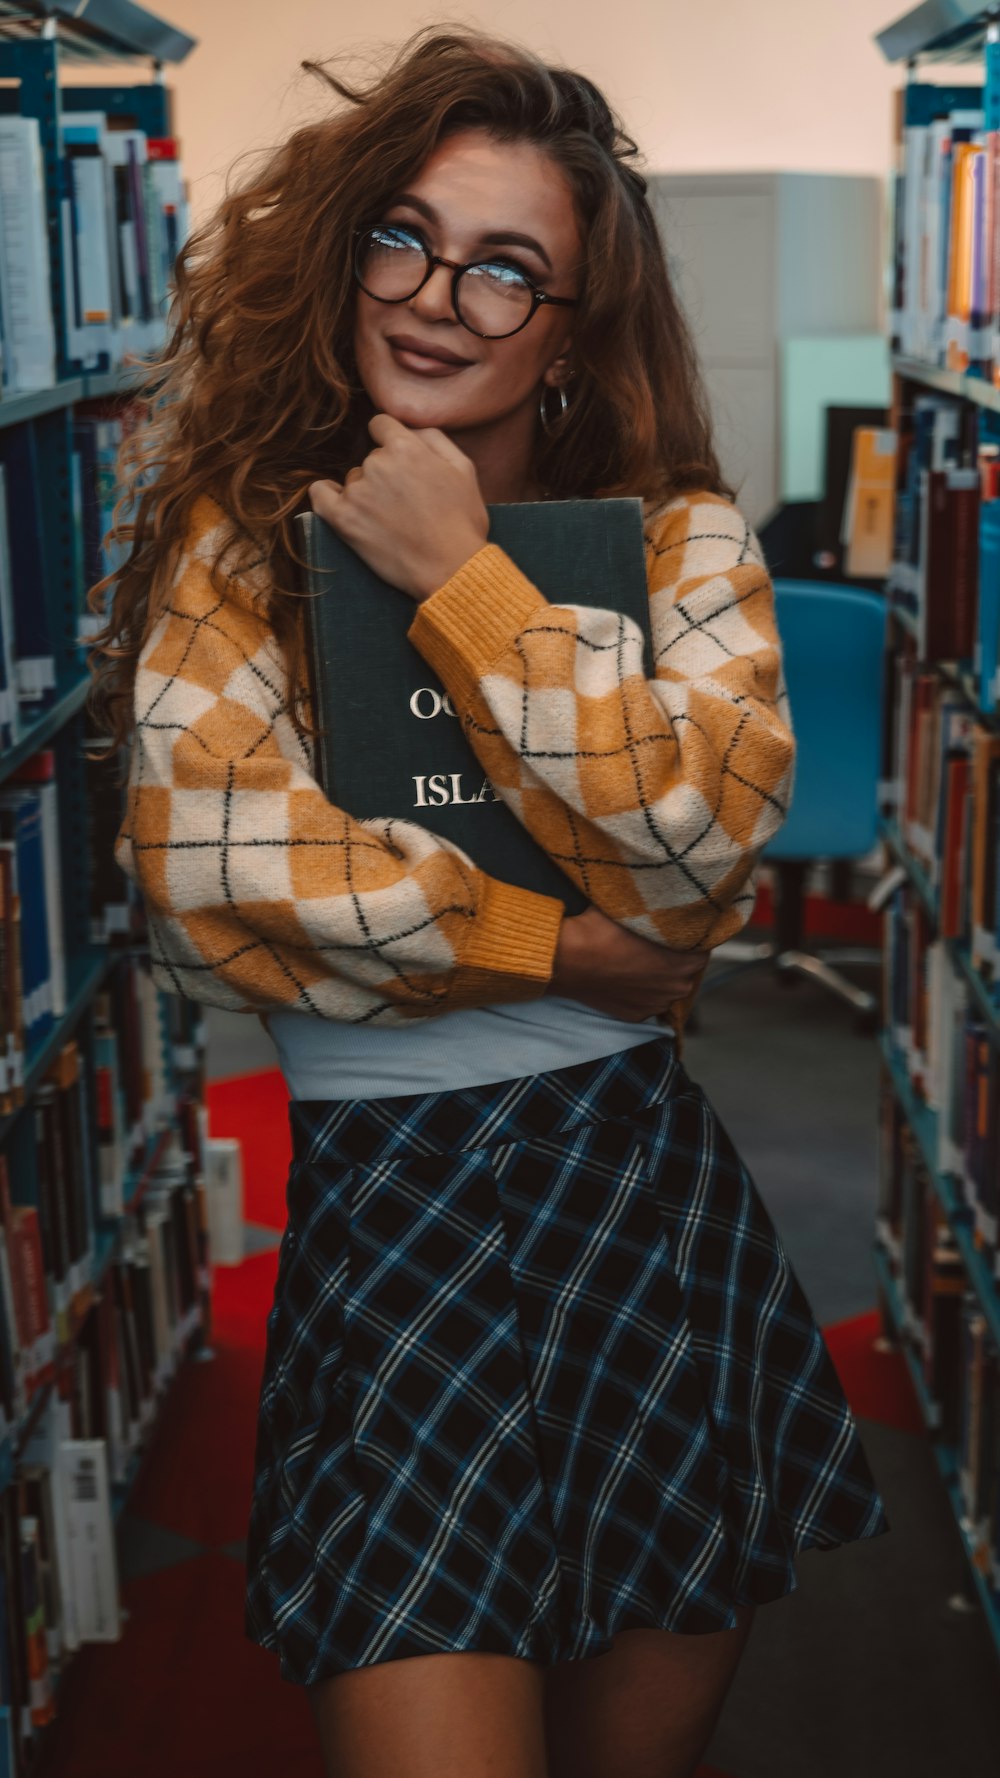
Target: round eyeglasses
{"type": "Point", "coordinates": [491, 297]}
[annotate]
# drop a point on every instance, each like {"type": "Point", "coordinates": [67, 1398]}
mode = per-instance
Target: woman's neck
{"type": "Point", "coordinates": [502, 453]}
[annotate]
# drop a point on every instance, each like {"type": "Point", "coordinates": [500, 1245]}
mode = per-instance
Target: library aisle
{"type": "Point", "coordinates": [865, 1669]}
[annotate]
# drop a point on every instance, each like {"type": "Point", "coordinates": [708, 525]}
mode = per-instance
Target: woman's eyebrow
{"type": "Point", "coordinates": [505, 237]}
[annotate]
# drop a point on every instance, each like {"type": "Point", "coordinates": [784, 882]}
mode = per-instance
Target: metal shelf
{"type": "Point", "coordinates": [942, 30]}
{"type": "Point", "coordinates": [961, 384]}
{"type": "Point", "coordinates": [41, 730]}
{"type": "Point", "coordinates": [15, 409]}
{"type": "Point", "coordinates": [98, 30]}
{"type": "Point", "coordinates": [946, 1457]}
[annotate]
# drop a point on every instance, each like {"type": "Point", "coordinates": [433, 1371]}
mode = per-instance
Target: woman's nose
{"type": "Point", "coordinates": [434, 301]}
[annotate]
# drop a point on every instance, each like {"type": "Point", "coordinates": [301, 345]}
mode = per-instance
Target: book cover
{"type": "Point", "coordinates": [30, 579]}
{"type": "Point", "coordinates": [42, 1697]}
{"type": "Point", "coordinates": [40, 771]}
{"type": "Point", "coordinates": [26, 1246]}
{"type": "Point", "coordinates": [109, 1117]}
{"type": "Point", "coordinates": [87, 259]}
{"type": "Point", "coordinates": [963, 492]}
{"type": "Point", "coordinates": [21, 822]}
{"type": "Point", "coordinates": [38, 1484]}
{"type": "Point", "coordinates": [840, 425]}
{"type": "Point", "coordinates": [12, 725]}
{"type": "Point", "coordinates": [868, 509]}
{"type": "Point", "coordinates": [393, 745]}
{"type": "Point", "coordinates": [29, 334]}
{"type": "Point", "coordinates": [13, 1391]}
{"type": "Point", "coordinates": [985, 754]}
{"type": "Point", "coordinates": [949, 920]}
{"type": "Point", "coordinates": [986, 657]}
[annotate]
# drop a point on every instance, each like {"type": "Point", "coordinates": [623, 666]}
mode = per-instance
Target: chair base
{"type": "Point", "coordinates": [790, 963]}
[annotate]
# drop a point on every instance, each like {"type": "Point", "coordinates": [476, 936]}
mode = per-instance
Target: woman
{"type": "Point", "coordinates": [540, 1385]}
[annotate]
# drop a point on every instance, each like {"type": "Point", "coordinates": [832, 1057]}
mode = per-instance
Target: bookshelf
{"type": "Point", "coordinates": [936, 1251]}
{"type": "Point", "coordinates": [105, 1274]}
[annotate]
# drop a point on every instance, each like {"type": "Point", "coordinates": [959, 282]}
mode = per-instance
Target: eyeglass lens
{"type": "Point", "coordinates": [492, 298]}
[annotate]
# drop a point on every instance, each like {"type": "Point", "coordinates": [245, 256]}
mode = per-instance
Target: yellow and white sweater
{"type": "Point", "coordinates": [657, 795]}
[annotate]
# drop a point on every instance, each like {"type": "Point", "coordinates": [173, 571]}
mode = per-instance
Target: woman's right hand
{"type": "Point", "coordinates": [617, 971]}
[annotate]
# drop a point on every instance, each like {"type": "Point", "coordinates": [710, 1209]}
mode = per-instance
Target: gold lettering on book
{"type": "Point", "coordinates": [438, 788]}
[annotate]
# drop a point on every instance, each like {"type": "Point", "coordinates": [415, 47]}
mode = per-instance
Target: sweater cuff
{"type": "Point", "coordinates": [510, 953]}
{"type": "Point", "coordinates": [468, 622]}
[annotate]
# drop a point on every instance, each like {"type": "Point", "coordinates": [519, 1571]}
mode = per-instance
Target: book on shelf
{"type": "Point", "coordinates": [942, 1321]}
{"type": "Point", "coordinates": [867, 529]}
{"type": "Point", "coordinates": [29, 344]}
{"type": "Point", "coordinates": [944, 1043]}
{"type": "Point", "coordinates": [99, 429]}
{"type": "Point", "coordinates": [105, 1263]}
{"type": "Point", "coordinates": [10, 707]}
{"type": "Point", "coordinates": [89, 248]}
{"type": "Point", "coordinates": [939, 1122]}
{"type": "Point", "coordinates": [942, 779]}
{"type": "Point", "coordinates": [95, 1116]}
{"type": "Point", "coordinates": [24, 488]}
{"type": "Point", "coordinates": [123, 217]}
{"type": "Point", "coordinates": [92, 1365]}
{"type": "Point", "coordinates": [393, 746]}
{"type": "Point", "coordinates": [40, 772]}
{"type": "Point", "coordinates": [21, 836]}
{"type": "Point", "coordinates": [944, 295]}
{"type": "Point", "coordinates": [28, 1317]}
{"type": "Point", "coordinates": [946, 539]}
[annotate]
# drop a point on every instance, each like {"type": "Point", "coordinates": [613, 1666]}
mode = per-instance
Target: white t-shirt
{"type": "Point", "coordinates": [470, 1047]}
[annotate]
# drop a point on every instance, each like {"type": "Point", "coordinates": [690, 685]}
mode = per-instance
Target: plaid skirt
{"type": "Point", "coordinates": [537, 1370]}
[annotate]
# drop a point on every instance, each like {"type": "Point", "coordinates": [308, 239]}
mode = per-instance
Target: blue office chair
{"type": "Point", "coordinates": [833, 644]}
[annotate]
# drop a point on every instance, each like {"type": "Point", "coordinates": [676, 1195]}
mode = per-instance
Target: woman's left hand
{"type": "Point", "coordinates": [413, 510]}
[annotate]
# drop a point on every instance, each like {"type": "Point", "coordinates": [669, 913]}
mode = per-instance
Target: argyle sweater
{"type": "Point", "coordinates": [656, 795]}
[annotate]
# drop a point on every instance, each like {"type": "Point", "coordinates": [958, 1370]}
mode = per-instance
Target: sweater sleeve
{"type": "Point", "coordinates": [259, 892]}
{"type": "Point", "coordinates": [655, 795]}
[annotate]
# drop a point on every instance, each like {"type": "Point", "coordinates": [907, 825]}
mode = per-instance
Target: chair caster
{"type": "Point", "coordinates": [867, 1022]}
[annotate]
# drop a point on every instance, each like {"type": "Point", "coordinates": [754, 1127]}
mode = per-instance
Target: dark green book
{"type": "Point", "coordinates": [391, 746]}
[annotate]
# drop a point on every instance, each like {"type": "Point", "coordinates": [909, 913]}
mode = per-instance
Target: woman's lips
{"type": "Point", "coordinates": [423, 364]}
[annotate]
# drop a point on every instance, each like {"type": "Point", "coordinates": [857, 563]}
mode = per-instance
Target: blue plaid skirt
{"type": "Point", "coordinates": [537, 1370]}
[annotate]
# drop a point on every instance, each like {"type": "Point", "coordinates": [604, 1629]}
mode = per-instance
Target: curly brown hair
{"type": "Point", "coordinates": [256, 395]}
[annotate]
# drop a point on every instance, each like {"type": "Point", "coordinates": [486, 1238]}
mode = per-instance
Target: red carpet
{"type": "Point", "coordinates": [184, 1692]}
{"type": "Point", "coordinates": [254, 1109]}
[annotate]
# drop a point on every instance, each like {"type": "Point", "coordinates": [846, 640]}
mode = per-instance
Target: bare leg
{"type": "Point", "coordinates": [647, 1709]}
{"type": "Point", "coordinates": [434, 1716]}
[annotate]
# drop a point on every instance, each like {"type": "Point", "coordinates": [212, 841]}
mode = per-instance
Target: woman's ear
{"type": "Point", "coordinates": [560, 370]}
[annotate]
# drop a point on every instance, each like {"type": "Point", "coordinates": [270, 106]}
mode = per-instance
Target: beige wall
{"type": "Point", "coordinates": [724, 84]}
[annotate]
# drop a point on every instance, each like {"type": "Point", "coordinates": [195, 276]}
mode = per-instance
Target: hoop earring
{"type": "Point", "coordinates": [548, 426]}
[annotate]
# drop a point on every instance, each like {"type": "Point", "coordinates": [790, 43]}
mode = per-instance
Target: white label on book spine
{"type": "Point", "coordinates": [983, 945]}
{"type": "Point", "coordinates": [36, 674]}
{"type": "Point", "coordinates": [92, 1556]}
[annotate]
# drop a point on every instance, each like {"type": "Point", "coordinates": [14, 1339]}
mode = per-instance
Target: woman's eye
{"type": "Point", "coordinates": [503, 271]}
{"type": "Point", "coordinates": [390, 235]}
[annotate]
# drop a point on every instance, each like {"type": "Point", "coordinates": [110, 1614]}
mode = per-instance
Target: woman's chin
{"type": "Point", "coordinates": [417, 409]}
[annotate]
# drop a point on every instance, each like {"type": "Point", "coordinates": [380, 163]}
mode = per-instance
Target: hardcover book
{"type": "Point", "coordinates": [393, 745]}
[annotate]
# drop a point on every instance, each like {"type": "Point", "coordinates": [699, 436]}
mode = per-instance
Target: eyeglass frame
{"type": "Point", "coordinates": [434, 260]}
